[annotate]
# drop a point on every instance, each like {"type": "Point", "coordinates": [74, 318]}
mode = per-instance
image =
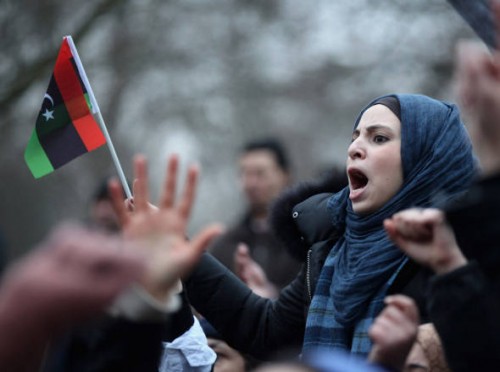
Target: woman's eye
{"type": "Point", "coordinates": [380, 139]}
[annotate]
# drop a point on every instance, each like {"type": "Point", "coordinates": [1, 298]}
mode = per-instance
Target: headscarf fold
{"type": "Point", "coordinates": [437, 159]}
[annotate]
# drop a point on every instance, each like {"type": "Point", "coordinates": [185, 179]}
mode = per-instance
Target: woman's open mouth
{"type": "Point", "coordinates": [357, 182]}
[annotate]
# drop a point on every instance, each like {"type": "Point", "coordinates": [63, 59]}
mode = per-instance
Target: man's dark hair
{"type": "Point", "coordinates": [101, 191]}
{"type": "Point", "coordinates": [272, 145]}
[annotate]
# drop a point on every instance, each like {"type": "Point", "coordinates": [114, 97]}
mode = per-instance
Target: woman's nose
{"type": "Point", "coordinates": [356, 149]}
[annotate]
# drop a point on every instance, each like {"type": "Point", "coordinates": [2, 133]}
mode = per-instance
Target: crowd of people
{"type": "Point", "coordinates": [398, 269]}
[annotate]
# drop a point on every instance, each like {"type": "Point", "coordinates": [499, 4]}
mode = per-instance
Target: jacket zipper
{"type": "Point", "coordinates": [308, 274]}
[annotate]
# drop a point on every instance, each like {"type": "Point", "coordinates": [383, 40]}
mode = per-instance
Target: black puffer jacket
{"type": "Point", "coordinates": [260, 326]}
{"type": "Point", "coordinates": [301, 219]}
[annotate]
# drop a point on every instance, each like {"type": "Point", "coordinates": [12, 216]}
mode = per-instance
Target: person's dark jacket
{"type": "Point", "coordinates": [107, 345]}
{"type": "Point", "coordinates": [111, 344]}
{"type": "Point", "coordinates": [262, 327]}
{"type": "Point", "coordinates": [464, 305]}
{"type": "Point", "coordinates": [265, 248]}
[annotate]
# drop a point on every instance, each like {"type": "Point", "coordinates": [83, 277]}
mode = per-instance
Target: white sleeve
{"type": "Point", "coordinates": [138, 305]}
{"type": "Point", "coordinates": [189, 352]}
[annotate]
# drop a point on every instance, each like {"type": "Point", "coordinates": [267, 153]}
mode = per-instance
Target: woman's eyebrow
{"type": "Point", "coordinates": [371, 129]}
{"type": "Point", "coordinates": [375, 127]}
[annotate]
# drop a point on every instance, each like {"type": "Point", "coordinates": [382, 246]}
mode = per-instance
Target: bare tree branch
{"type": "Point", "coordinates": [37, 69]}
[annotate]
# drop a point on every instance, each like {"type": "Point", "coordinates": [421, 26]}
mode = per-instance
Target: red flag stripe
{"type": "Point", "coordinates": [68, 81]}
{"type": "Point", "coordinates": [90, 132]}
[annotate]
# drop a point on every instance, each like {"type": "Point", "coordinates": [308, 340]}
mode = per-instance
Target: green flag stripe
{"type": "Point", "coordinates": [35, 157]}
{"type": "Point", "coordinates": [60, 118]}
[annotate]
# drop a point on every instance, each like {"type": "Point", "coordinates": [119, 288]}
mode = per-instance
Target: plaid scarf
{"type": "Point", "coordinates": [437, 160]}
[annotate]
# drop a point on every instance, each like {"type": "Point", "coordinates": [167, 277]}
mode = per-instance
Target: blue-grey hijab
{"type": "Point", "coordinates": [438, 163]}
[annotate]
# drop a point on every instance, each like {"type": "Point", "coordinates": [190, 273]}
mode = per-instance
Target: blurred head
{"type": "Point", "coordinates": [427, 354]}
{"type": "Point", "coordinates": [102, 214]}
{"type": "Point", "coordinates": [374, 164]}
{"type": "Point", "coordinates": [264, 173]}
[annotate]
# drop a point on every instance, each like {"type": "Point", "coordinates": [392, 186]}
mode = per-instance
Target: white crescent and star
{"type": "Point", "coordinates": [48, 114]}
{"type": "Point", "coordinates": [49, 98]}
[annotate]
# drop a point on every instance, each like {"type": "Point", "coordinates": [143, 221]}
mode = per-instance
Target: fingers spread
{"type": "Point", "coordinates": [141, 188]}
{"type": "Point", "coordinates": [168, 194]}
{"type": "Point", "coordinates": [117, 201]}
{"type": "Point", "coordinates": [188, 196]}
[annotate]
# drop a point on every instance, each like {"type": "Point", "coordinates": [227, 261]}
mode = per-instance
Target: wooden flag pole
{"type": "Point", "coordinates": [100, 120]}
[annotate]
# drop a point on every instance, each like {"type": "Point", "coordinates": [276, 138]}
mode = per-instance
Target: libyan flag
{"type": "Point", "coordinates": [65, 127]}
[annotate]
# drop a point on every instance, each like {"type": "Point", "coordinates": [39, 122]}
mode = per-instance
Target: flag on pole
{"type": "Point", "coordinates": [65, 127]}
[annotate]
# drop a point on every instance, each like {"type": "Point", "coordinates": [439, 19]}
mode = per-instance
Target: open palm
{"type": "Point", "coordinates": [161, 231]}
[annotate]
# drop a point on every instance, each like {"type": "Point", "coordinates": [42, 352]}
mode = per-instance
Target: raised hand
{"type": "Point", "coordinates": [228, 359]}
{"type": "Point", "coordinates": [394, 331]}
{"type": "Point", "coordinates": [161, 231]}
{"type": "Point", "coordinates": [252, 273]}
{"type": "Point", "coordinates": [424, 235]}
{"type": "Point", "coordinates": [478, 88]}
{"type": "Point", "coordinates": [74, 274]}
{"type": "Point", "coordinates": [71, 277]}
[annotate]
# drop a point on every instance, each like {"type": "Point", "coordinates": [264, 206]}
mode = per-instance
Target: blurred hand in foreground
{"type": "Point", "coordinates": [161, 231]}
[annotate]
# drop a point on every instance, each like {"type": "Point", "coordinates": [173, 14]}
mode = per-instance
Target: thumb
{"type": "Point", "coordinates": [202, 239]}
{"type": "Point", "coordinates": [241, 259]}
{"type": "Point", "coordinates": [242, 250]}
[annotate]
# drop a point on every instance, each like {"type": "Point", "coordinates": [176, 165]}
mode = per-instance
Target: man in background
{"type": "Point", "coordinates": [264, 174]}
{"type": "Point", "coordinates": [102, 216]}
